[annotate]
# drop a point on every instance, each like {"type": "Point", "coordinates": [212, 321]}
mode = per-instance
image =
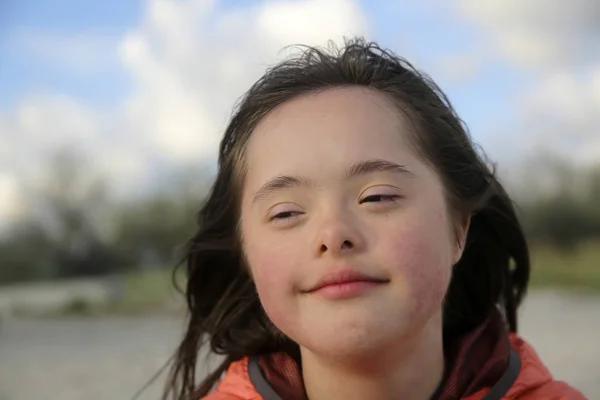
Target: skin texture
{"type": "Point", "coordinates": [390, 224]}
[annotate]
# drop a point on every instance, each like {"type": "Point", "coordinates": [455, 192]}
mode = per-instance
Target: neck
{"type": "Point", "coordinates": [412, 370]}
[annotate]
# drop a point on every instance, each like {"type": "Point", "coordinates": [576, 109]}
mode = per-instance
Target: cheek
{"type": "Point", "coordinates": [273, 272]}
{"type": "Point", "coordinates": [421, 258]}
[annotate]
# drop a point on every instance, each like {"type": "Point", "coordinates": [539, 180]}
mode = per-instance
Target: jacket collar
{"type": "Point", "coordinates": [479, 359]}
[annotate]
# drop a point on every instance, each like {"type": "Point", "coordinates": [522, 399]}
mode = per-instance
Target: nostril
{"type": "Point", "coordinates": [346, 245]}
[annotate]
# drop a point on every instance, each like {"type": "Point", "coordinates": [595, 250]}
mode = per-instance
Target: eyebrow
{"type": "Point", "coordinates": [371, 166]}
{"type": "Point", "coordinates": [360, 168]}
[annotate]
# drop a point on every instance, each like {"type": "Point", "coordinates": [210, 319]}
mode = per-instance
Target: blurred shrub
{"type": "Point", "coordinates": [565, 213]}
{"type": "Point", "coordinates": [77, 229]}
{"type": "Point", "coordinates": [561, 221]}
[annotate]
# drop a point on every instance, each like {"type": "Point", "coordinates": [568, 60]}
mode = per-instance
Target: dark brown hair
{"type": "Point", "coordinates": [224, 309]}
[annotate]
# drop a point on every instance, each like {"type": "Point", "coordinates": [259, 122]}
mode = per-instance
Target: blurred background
{"type": "Point", "coordinates": [110, 117]}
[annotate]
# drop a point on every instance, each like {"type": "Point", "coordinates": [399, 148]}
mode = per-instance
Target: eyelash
{"type": "Point", "coordinates": [285, 215]}
{"type": "Point", "coordinates": [382, 197]}
{"type": "Point", "coordinates": [369, 199]}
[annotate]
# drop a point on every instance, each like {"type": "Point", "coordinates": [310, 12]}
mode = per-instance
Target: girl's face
{"type": "Point", "coordinates": [345, 229]}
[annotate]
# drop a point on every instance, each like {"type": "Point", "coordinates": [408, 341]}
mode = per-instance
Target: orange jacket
{"type": "Point", "coordinates": [526, 378]}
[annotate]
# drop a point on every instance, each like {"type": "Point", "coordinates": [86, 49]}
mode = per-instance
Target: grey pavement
{"type": "Point", "coordinates": [112, 357]}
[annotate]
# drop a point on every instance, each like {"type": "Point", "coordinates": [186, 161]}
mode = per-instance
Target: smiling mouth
{"type": "Point", "coordinates": [345, 284]}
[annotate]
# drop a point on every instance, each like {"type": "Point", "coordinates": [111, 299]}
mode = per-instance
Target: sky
{"type": "Point", "coordinates": [137, 88]}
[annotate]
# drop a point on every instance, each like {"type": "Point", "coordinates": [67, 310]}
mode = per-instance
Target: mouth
{"type": "Point", "coordinates": [345, 283]}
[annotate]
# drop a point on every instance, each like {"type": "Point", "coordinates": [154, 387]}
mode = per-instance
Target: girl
{"type": "Point", "coordinates": [356, 246]}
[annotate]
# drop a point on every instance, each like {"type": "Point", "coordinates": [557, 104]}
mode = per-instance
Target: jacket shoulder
{"type": "Point", "coordinates": [535, 382]}
{"type": "Point", "coordinates": [220, 396]}
{"type": "Point", "coordinates": [553, 390]}
{"type": "Point", "coordinates": [235, 384]}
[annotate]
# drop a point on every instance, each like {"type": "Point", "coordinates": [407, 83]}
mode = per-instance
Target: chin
{"type": "Point", "coordinates": [351, 341]}
{"type": "Point", "coordinates": [347, 349]}
{"type": "Point", "coordinates": [362, 336]}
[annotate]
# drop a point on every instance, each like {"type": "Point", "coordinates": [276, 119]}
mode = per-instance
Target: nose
{"type": "Point", "coordinates": [337, 235]}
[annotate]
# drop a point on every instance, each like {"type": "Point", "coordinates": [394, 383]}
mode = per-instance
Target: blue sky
{"type": "Point", "coordinates": [23, 71]}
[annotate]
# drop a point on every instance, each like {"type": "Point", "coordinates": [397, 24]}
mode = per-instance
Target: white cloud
{"type": "Point", "coordinates": [540, 33]}
{"type": "Point", "coordinates": [40, 124]}
{"type": "Point", "coordinates": [308, 21]}
{"type": "Point", "coordinates": [44, 120]}
{"type": "Point", "coordinates": [11, 200]}
{"type": "Point", "coordinates": [5, 144]}
{"type": "Point", "coordinates": [457, 69]}
{"type": "Point", "coordinates": [191, 63]}
{"type": "Point", "coordinates": [556, 44]}
{"type": "Point", "coordinates": [562, 116]}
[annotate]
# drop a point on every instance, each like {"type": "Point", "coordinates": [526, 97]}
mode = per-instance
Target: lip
{"type": "Point", "coordinates": [345, 283]}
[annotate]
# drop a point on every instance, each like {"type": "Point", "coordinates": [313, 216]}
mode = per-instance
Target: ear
{"type": "Point", "coordinates": [463, 221]}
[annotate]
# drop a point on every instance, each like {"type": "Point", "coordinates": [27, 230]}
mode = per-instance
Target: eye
{"type": "Point", "coordinates": [283, 212]}
{"type": "Point", "coordinates": [378, 198]}
{"type": "Point", "coordinates": [284, 215]}
{"type": "Point", "coordinates": [380, 194]}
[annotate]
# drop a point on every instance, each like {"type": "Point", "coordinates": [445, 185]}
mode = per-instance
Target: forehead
{"type": "Point", "coordinates": [342, 107]}
{"type": "Point", "coordinates": [322, 130]}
